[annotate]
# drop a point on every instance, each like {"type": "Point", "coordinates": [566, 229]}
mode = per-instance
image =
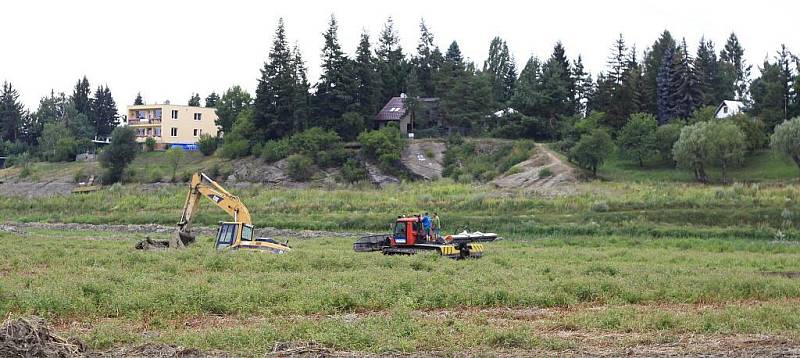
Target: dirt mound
{"type": "Point", "coordinates": [378, 177]}
{"type": "Point", "coordinates": [544, 173]}
{"type": "Point", "coordinates": [253, 170]}
{"type": "Point", "coordinates": [31, 337]}
{"type": "Point", "coordinates": [424, 158]}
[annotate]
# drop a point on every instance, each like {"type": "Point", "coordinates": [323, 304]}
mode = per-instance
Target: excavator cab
{"type": "Point", "coordinates": [231, 233]}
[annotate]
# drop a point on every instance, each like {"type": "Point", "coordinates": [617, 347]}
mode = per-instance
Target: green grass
{"type": "Point", "coordinates": [631, 284]}
{"type": "Point", "coordinates": [762, 166]}
{"type": "Point", "coordinates": [654, 209]}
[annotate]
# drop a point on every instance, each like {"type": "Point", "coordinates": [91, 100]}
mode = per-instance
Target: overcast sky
{"type": "Point", "coordinates": [169, 49]}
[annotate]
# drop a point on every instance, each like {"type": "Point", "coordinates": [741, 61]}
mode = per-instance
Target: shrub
{"type": "Point", "coordinates": [275, 150]}
{"type": "Point", "coordinates": [786, 139]}
{"type": "Point", "coordinates": [299, 167]}
{"type": "Point", "coordinates": [753, 130]}
{"type": "Point", "coordinates": [600, 207]}
{"type": "Point", "coordinates": [233, 149]}
{"type": "Point", "coordinates": [384, 145]}
{"type": "Point", "coordinates": [150, 144]}
{"type": "Point", "coordinates": [325, 148]}
{"type": "Point", "coordinates": [117, 155]}
{"type": "Point", "coordinates": [25, 172]}
{"type": "Point", "coordinates": [207, 144]}
{"type": "Point", "coordinates": [175, 156]}
{"type": "Point", "coordinates": [692, 150]}
{"type": "Point", "coordinates": [728, 145]}
{"type": "Point", "coordinates": [637, 137]}
{"type": "Point", "coordinates": [353, 171]}
{"type": "Point", "coordinates": [593, 149]}
{"type": "Point", "coordinates": [545, 173]}
{"type": "Point", "coordinates": [237, 144]}
{"type": "Point", "coordinates": [665, 138]}
{"type": "Point", "coordinates": [153, 175]}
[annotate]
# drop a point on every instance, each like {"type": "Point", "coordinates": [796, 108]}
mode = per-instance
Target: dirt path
{"type": "Point", "coordinates": [545, 173]}
{"type": "Point", "coordinates": [424, 158]}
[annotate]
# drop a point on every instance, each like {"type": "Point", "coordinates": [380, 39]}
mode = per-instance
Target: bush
{"type": "Point", "coordinates": [753, 130]}
{"type": "Point", "coordinates": [665, 138]}
{"type": "Point", "coordinates": [117, 155]}
{"type": "Point", "coordinates": [300, 167]}
{"type": "Point", "coordinates": [233, 149]}
{"type": "Point", "coordinates": [384, 145]}
{"type": "Point", "coordinates": [593, 149]}
{"type": "Point", "coordinates": [545, 173]}
{"type": "Point", "coordinates": [237, 144]}
{"type": "Point", "coordinates": [325, 148]}
{"type": "Point", "coordinates": [207, 144]}
{"type": "Point", "coordinates": [786, 139]}
{"type": "Point", "coordinates": [484, 165]}
{"type": "Point", "coordinates": [353, 171]}
{"type": "Point", "coordinates": [600, 206]}
{"type": "Point", "coordinates": [150, 144]}
{"type": "Point", "coordinates": [175, 157]}
{"type": "Point", "coordinates": [637, 137]}
{"type": "Point", "coordinates": [692, 150]}
{"type": "Point", "coordinates": [728, 145]}
{"type": "Point", "coordinates": [275, 150]}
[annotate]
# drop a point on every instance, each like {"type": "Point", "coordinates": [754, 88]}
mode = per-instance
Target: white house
{"type": "Point", "coordinates": [729, 108]}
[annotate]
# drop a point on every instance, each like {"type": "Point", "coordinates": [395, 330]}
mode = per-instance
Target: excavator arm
{"type": "Point", "coordinates": [202, 185]}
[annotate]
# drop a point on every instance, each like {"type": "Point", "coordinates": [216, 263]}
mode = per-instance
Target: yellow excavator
{"type": "Point", "coordinates": [233, 235]}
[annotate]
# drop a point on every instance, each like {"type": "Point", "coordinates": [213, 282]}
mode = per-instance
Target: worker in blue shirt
{"type": "Point", "coordinates": [426, 225]}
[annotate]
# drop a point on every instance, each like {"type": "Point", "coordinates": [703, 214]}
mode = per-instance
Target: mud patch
{"type": "Point", "coordinates": [31, 337]}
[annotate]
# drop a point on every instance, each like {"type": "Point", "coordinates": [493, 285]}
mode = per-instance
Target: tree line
{"type": "Point", "coordinates": [545, 100]}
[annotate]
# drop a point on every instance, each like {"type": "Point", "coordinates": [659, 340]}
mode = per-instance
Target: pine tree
{"type": "Point", "coordinates": [664, 89]}
{"type": "Point", "coordinates": [618, 61]}
{"type": "Point", "coordinates": [367, 81]}
{"type": "Point", "coordinates": [685, 95]}
{"type": "Point", "coordinates": [103, 112]}
{"type": "Point", "coordinates": [335, 89]}
{"type": "Point", "coordinates": [426, 62]}
{"type": "Point", "coordinates": [138, 101]}
{"type": "Point", "coordinates": [12, 113]}
{"type": "Point", "coordinates": [212, 99]}
{"type": "Point", "coordinates": [653, 66]}
{"type": "Point", "coordinates": [302, 99]}
{"type": "Point", "coordinates": [733, 54]}
{"type": "Point", "coordinates": [510, 79]}
{"type": "Point", "coordinates": [273, 115]}
{"type": "Point", "coordinates": [80, 96]}
{"type": "Point", "coordinates": [392, 67]}
{"type": "Point", "coordinates": [527, 91]}
{"type": "Point", "coordinates": [584, 87]}
{"type": "Point", "coordinates": [559, 57]}
{"type": "Point", "coordinates": [194, 100]}
{"type": "Point", "coordinates": [497, 66]}
{"type": "Point", "coordinates": [707, 68]}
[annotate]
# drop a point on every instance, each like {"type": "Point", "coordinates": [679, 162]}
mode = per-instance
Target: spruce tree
{"type": "Point", "coordinates": [12, 113]}
{"type": "Point", "coordinates": [559, 58]}
{"type": "Point", "coordinates": [426, 62]}
{"type": "Point", "coordinates": [392, 67]}
{"type": "Point", "coordinates": [368, 89]}
{"type": "Point", "coordinates": [496, 67]}
{"type": "Point", "coordinates": [584, 86]}
{"type": "Point", "coordinates": [335, 89]}
{"type": "Point", "coordinates": [733, 54]}
{"type": "Point", "coordinates": [302, 99]}
{"type": "Point", "coordinates": [80, 96]}
{"type": "Point", "coordinates": [103, 115]}
{"type": "Point", "coordinates": [685, 95]}
{"type": "Point", "coordinates": [652, 71]}
{"type": "Point", "coordinates": [527, 91]}
{"type": "Point", "coordinates": [618, 61]}
{"type": "Point", "coordinates": [663, 88]}
{"type": "Point", "coordinates": [138, 101]}
{"type": "Point", "coordinates": [194, 100]}
{"type": "Point", "coordinates": [707, 68]}
{"type": "Point", "coordinates": [212, 100]}
{"type": "Point", "coordinates": [273, 115]}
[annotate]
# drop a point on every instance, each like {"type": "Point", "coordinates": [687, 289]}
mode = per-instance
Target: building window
{"type": "Point", "coordinates": [158, 114]}
{"type": "Point", "coordinates": [173, 132]}
{"type": "Point", "coordinates": [197, 116]}
{"type": "Point", "coordinates": [174, 114]}
{"type": "Point", "coordinates": [197, 132]}
{"type": "Point", "coordinates": [158, 132]}
{"type": "Point", "coordinates": [725, 110]}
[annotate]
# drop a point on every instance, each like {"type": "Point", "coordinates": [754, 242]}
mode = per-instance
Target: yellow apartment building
{"type": "Point", "coordinates": [172, 125]}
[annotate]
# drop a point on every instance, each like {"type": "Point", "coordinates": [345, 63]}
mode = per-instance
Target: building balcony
{"type": "Point", "coordinates": [144, 121]}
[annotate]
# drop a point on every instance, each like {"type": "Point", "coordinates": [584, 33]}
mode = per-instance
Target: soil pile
{"type": "Point", "coordinates": [544, 174]}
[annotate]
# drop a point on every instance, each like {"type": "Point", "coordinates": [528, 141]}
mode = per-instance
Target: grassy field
{"type": "Point", "coordinates": [603, 208]}
{"type": "Point", "coordinates": [537, 292]}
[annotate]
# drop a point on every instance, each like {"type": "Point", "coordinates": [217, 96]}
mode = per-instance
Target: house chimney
{"type": "Point", "coordinates": [166, 102]}
{"type": "Point", "coordinates": [403, 95]}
